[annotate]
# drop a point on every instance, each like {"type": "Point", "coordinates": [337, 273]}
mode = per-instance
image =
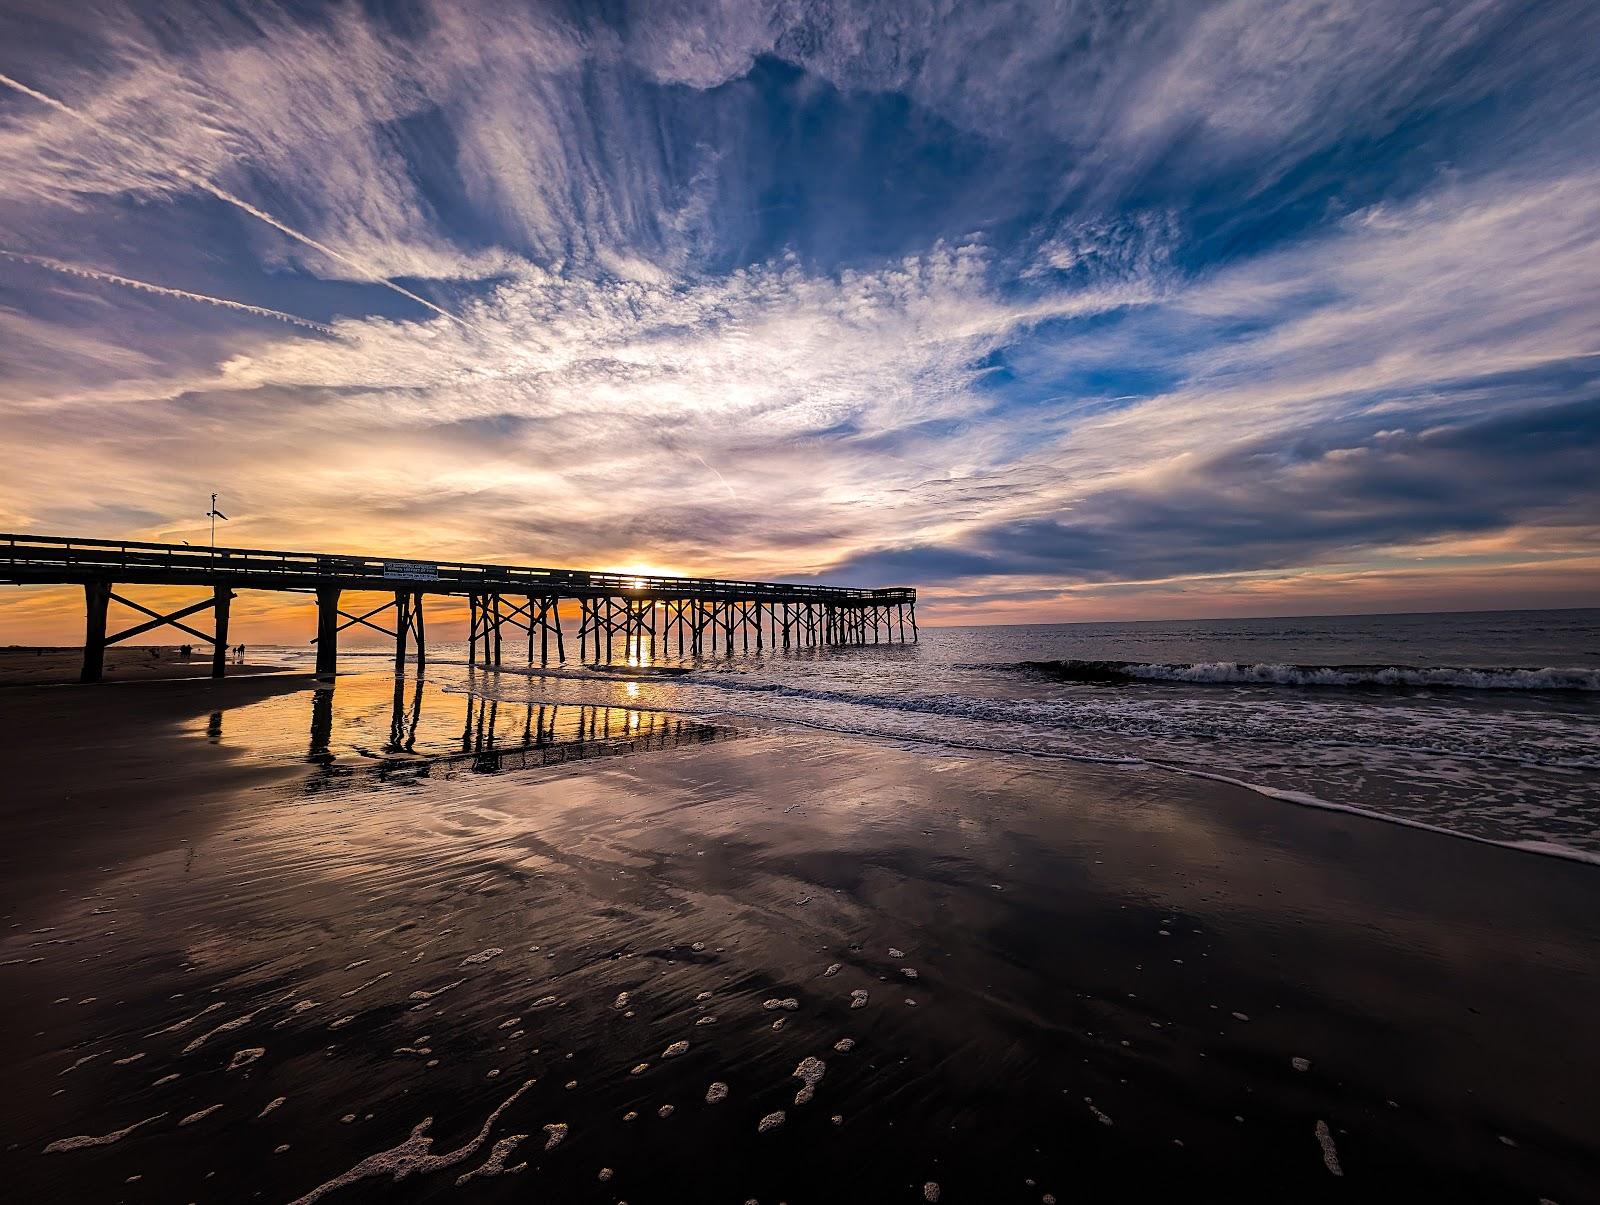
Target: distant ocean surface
{"type": "Point", "coordinates": [1484, 724]}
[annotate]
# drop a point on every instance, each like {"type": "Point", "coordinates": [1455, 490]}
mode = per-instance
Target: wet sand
{"type": "Point", "coordinates": [38, 666]}
{"type": "Point", "coordinates": [233, 968]}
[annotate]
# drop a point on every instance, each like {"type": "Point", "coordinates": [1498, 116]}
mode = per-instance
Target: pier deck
{"type": "Point", "coordinates": [708, 616]}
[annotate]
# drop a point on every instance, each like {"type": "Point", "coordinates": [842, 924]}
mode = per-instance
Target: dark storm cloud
{"type": "Point", "coordinates": [1272, 505]}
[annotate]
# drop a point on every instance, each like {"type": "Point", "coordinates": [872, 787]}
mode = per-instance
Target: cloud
{"type": "Point", "coordinates": [1002, 298]}
{"type": "Point", "coordinates": [593, 404]}
{"type": "Point", "coordinates": [1467, 311]}
{"type": "Point", "coordinates": [1266, 506]}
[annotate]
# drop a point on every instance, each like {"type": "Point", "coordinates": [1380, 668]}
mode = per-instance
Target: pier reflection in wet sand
{"type": "Point", "coordinates": [377, 723]}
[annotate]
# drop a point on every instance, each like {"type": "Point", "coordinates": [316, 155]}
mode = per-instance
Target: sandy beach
{"type": "Point", "coordinates": [46, 665]}
{"type": "Point", "coordinates": [228, 974]}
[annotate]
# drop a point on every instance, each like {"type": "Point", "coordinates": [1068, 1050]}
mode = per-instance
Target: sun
{"type": "Point", "coordinates": [639, 573]}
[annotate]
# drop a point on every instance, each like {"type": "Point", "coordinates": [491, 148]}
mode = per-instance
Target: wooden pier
{"type": "Point", "coordinates": [652, 616]}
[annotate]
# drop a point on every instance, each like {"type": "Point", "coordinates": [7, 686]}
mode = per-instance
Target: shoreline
{"type": "Point", "coordinates": [752, 722]}
{"type": "Point", "coordinates": [1547, 849]}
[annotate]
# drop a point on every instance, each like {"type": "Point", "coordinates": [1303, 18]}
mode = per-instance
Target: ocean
{"type": "Point", "coordinates": [1483, 725]}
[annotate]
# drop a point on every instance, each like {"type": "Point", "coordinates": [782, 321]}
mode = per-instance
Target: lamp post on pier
{"type": "Point", "coordinates": [214, 514]}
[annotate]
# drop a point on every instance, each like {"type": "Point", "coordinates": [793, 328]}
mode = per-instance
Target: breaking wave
{"type": "Point", "coordinates": [1582, 678]}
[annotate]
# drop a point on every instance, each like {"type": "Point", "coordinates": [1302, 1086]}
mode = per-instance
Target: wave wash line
{"type": "Point", "coordinates": [708, 616]}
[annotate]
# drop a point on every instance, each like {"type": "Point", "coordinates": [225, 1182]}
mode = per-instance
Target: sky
{"type": "Point", "coordinates": [1053, 310]}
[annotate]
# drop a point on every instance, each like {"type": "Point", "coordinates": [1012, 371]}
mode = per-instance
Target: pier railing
{"type": "Point", "coordinates": [35, 558]}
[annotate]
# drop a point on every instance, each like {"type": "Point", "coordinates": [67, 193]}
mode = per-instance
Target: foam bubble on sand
{"type": "Point", "coordinates": [708, 1019]}
{"type": "Point", "coordinates": [845, 1045]}
{"type": "Point", "coordinates": [778, 1024]}
{"type": "Point", "coordinates": [187, 1021]}
{"type": "Point", "coordinates": [605, 1174]}
{"type": "Point", "coordinates": [630, 1115]}
{"type": "Point", "coordinates": [1330, 1155]}
{"type": "Point", "coordinates": [894, 953]}
{"type": "Point", "coordinates": [858, 998]}
{"type": "Point", "coordinates": [770, 1122]}
{"type": "Point", "coordinates": [640, 1069]}
{"type": "Point", "coordinates": [495, 1164]}
{"type": "Point", "coordinates": [85, 1140]}
{"type": "Point", "coordinates": [415, 1154]}
{"type": "Point", "coordinates": [621, 1001]}
{"type": "Point", "coordinates": [298, 1008]}
{"type": "Point", "coordinates": [165, 1079]}
{"type": "Point", "coordinates": [132, 1058]}
{"type": "Point", "coordinates": [1240, 1017]}
{"type": "Point", "coordinates": [360, 962]}
{"type": "Point", "coordinates": [717, 1093]}
{"type": "Point", "coordinates": [557, 1131]}
{"type": "Point", "coordinates": [438, 991]}
{"type": "Point", "coordinates": [909, 972]}
{"type": "Point", "coordinates": [200, 1116]}
{"type": "Point", "coordinates": [1100, 1117]}
{"type": "Point", "coordinates": [225, 1027]}
{"type": "Point", "coordinates": [275, 1103]}
{"type": "Point", "coordinates": [80, 1062]}
{"type": "Point", "coordinates": [544, 1002]}
{"type": "Point", "coordinates": [674, 1050]}
{"type": "Point", "coordinates": [666, 1111]}
{"type": "Point", "coordinates": [367, 984]}
{"type": "Point", "coordinates": [810, 1071]}
{"type": "Point", "coordinates": [788, 1002]}
{"type": "Point", "coordinates": [1300, 1064]}
{"type": "Point", "coordinates": [243, 1058]}
{"type": "Point", "coordinates": [698, 946]}
{"type": "Point", "coordinates": [930, 1191]}
{"type": "Point", "coordinates": [481, 956]}
{"type": "Point", "coordinates": [510, 1023]}
{"type": "Point", "coordinates": [702, 997]}
{"type": "Point", "coordinates": [833, 969]}
{"type": "Point", "coordinates": [341, 1022]}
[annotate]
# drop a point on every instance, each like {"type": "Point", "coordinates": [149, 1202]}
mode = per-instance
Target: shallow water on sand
{"type": "Point", "coordinates": [1484, 725]}
{"type": "Point", "coordinates": [410, 957]}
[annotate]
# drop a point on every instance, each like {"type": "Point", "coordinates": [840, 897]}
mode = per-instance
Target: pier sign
{"type": "Point", "coordinates": [411, 571]}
